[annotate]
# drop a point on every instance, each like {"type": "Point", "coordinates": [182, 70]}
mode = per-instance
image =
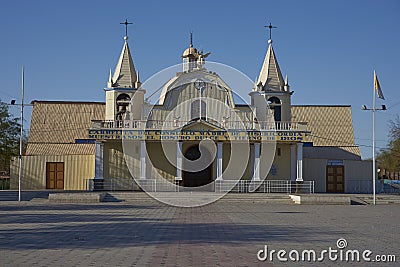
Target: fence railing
{"type": "Point", "coordinates": [266, 186]}
{"type": "Point", "coordinates": [111, 184]}
{"type": "Point", "coordinates": [162, 185]}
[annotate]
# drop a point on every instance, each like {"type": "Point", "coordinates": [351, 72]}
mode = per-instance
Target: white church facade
{"type": "Point", "coordinates": [194, 138]}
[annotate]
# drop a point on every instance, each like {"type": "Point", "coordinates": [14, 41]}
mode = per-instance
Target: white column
{"type": "Point", "coordinates": [293, 163]}
{"type": "Point", "coordinates": [178, 176]}
{"type": "Point", "coordinates": [99, 160]}
{"type": "Point", "coordinates": [219, 161]}
{"type": "Point", "coordinates": [299, 177]}
{"type": "Point", "coordinates": [142, 160]}
{"type": "Point", "coordinates": [256, 174]}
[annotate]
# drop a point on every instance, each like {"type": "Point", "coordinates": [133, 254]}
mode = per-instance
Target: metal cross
{"type": "Point", "coordinates": [270, 29]}
{"type": "Point", "coordinates": [126, 26]}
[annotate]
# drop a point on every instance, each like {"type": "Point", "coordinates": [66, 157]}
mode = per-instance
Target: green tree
{"type": "Point", "coordinates": [389, 158]}
{"type": "Point", "coordinates": [9, 137]}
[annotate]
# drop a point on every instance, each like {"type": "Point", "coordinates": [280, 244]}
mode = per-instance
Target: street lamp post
{"type": "Point", "coordinates": [374, 109]}
{"type": "Point", "coordinates": [21, 133]}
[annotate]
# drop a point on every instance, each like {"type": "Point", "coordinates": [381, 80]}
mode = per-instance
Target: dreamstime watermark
{"type": "Point", "coordinates": [340, 253]}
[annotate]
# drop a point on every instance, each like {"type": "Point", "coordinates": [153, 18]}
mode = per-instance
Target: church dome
{"type": "Point", "coordinates": [190, 51]}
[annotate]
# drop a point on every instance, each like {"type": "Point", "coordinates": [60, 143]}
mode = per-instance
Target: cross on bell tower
{"type": "Point", "coordinates": [126, 23]}
{"type": "Point", "coordinates": [270, 30]}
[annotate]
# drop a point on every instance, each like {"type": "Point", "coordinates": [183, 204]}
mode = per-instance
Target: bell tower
{"type": "Point", "coordinates": [190, 57]}
{"type": "Point", "coordinates": [271, 88]}
{"type": "Point", "coordinates": [124, 95]}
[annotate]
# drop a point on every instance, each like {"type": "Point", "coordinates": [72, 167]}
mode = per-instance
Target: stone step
{"type": "Point", "coordinates": [81, 197]}
{"type": "Point", "coordinates": [8, 195]}
{"type": "Point", "coordinates": [387, 199]}
{"type": "Point", "coordinates": [267, 201]}
{"type": "Point", "coordinates": [12, 195]}
{"type": "Point", "coordinates": [255, 198]}
{"type": "Point", "coordinates": [382, 202]}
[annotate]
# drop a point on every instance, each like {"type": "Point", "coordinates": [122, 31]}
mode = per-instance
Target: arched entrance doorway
{"type": "Point", "coordinates": [199, 178]}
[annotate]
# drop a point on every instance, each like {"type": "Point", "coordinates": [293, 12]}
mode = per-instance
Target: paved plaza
{"type": "Point", "coordinates": [224, 233]}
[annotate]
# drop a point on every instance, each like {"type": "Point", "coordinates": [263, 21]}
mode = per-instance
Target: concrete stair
{"type": "Point", "coordinates": [135, 196]}
{"type": "Point", "coordinates": [230, 197]}
{"type": "Point", "coordinates": [258, 198]}
{"type": "Point", "coordinates": [381, 199]}
{"type": "Point", "coordinates": [12, 195]}
{"type": "Point", "coordinates": [7, 195]}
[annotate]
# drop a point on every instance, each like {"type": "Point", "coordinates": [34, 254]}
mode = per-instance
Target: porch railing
{"type": "Point", "coordinates": [266, 186]}
{"type": "Point", "coordinates": [161, 185]}
{"type": "Point", "coordinates": [176, 124]}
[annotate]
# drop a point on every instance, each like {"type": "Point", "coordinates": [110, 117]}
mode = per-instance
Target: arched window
{"type": "Point", "coordinates": [122, 102]}
{"type": "Point", "coordinates": [198, 109]}
{"type": "Point", "coordinates": [275, 104]}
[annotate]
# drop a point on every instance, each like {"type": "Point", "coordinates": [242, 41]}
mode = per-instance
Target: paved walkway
{"type": "Point", "coordinates": [220, 234]}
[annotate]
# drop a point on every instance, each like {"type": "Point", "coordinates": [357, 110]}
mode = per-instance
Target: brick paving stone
{"type": "Point", "coordinates": [219, 234]}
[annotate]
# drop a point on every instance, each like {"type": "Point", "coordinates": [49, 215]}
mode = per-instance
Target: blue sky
{"type": "Point", "coordinates": [329, 49]}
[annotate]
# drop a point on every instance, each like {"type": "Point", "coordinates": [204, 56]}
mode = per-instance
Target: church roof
{"type": "Point", "coordinates": [190, 51]}
{"type": "Point", "coordinates": [270, 77]}
{"type": "Point", "coordinates": [125, 74]}
{"type": "Point", "coordinates": [182, 78]}
{"type": "Point", "coordinates": [55, 126]}
{"type": "Point", "coordinates": [200, 124]}
{"type": "Point", "coordinates": [330, 126]}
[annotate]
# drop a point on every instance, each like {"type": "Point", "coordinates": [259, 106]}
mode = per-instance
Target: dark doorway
{"type": "Point", "coordinates": [334, 179]}
{"type": "Point", "coordinates": [199, 178]}
{"type": "Point", "coordinates": [55, 175]}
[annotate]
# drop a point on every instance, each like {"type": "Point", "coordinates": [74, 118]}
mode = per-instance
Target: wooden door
{"type": "Point", "coordinates": [334, 179]}
{"type": "Point", "coordinates": [55, 175]}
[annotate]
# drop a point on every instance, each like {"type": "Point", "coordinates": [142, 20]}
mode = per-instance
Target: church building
{"type": "Point", "coordinates": [195, 138]}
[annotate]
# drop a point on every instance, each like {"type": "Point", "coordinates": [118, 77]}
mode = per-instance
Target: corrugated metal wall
{"type": "Point", "coordinates": [115, 166]}
{"type": "Point", "coordinates": [77, 168]}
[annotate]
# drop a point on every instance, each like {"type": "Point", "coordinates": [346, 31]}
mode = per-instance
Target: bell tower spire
{"type": "Point", "coordinates": [125, 73]}
{"type": "Point", "coordinates": [270, 77]}
{"type": "Point", "coordinates": [124, 94]}
{"type": "Point", "coordinates": [271, 88]}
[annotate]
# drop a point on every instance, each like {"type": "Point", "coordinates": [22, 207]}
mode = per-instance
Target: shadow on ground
{"type": "Point", "coordinates": [70, 226]}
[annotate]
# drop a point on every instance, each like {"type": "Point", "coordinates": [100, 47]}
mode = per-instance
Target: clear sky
{"type": "Point", "coordinates": [329, 49]}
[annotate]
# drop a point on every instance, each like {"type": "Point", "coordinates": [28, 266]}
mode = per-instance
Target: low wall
{"type": "Point", "coordinates": [77, 197]}
{"type": "Point", "coordinates": [318, 200]}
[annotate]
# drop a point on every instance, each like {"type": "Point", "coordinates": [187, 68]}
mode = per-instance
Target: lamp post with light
{"type": "Point", "coordinates": [22, 105]}
{"type": "Point", "coordinates": [374, 109]}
